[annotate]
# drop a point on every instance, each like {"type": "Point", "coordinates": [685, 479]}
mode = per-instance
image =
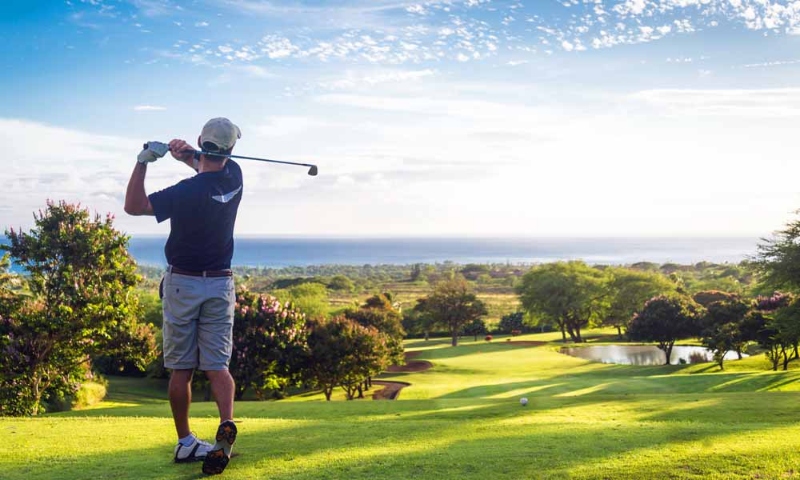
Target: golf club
{"type": "Point", "coordinates": [312, 170]}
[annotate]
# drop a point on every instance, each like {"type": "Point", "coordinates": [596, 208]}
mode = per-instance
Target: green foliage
{"type": "Point", "coordinates": [781, 335]}
{"type": "Point", "coordinates": [379, 312]}
{"type": "Point", "coordinates": [707, 297]}
{"type": "Point", "coordinates": [722, 326]}
{"type": "Point", "coordinates": [341, 283]}
{"type": "Point", "coordinates": [150, 307]}
{"type": "Point", "coordinates": [475, 327]}
{"type": "Point", "coordinates": [310, 298]}
{"type": "Point", "coordinates": [418, 321]}
{"type": "Point", "coordinates": [452, 305]}
{"type": "Point", "coordinates": [81, 279]}
{"type": "Point", "coordinates": [665, 320]}
{"type": "Point", "coordinates": [269, 344]}
{"type": "Point", "coordinates": [629, 290]}
{"type": "Point", "coordinates": [344, 353]}
{"type": "Point", "coordinates": [90, 393]}
{"type": "Point", "coordinates": [571, 295]}
{"type": "Point", "coordinates": [512, 322]}
{"type": "Point", "coordinates": [778, 259]}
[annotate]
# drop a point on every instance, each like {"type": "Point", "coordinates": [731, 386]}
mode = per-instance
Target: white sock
{"type": "Point", "coordinates": [187, 440]}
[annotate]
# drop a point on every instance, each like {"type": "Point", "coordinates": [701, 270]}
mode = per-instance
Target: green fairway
{"type": "Point", "coordinates": [461, 419]}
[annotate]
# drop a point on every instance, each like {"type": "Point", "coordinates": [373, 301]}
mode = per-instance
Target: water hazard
{"type": "Point", "coordinates": [643, 354]}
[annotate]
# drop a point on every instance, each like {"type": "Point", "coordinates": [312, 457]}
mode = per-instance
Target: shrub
{"type": "Point", "coordinates": [89, 393]}
{"type": "Point", "coordinates": [511, 323]}
{"type": "Point", "coordinates": [698, 357]}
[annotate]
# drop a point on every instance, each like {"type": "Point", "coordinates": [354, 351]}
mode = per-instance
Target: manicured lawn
{"type": "Point", "coordinates": [461, 419]}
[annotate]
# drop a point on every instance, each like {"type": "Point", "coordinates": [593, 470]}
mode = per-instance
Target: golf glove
{"type": "Point", "coordinates": [152, 152]}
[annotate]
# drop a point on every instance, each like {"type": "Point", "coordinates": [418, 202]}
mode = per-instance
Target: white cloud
{"type": "Point", "coordinates": [89, 169]}
{"type": "Point", "coordinates": [780, 102]}
{"type": "Point", "coordinates": [353, 80]}
{"type": "Point", "coordinates": [149, 108]}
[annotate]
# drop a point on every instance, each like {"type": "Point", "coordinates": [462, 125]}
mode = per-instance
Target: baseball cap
{"type": "Point", "coordinates": [220, 134]}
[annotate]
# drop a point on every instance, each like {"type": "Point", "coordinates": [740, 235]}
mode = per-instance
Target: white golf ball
{"type": "Point", "coordinates": [523, 401]}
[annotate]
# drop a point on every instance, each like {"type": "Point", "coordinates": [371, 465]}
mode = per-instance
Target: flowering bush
{"type": "Point", "coordinates": [269, 344]}
{"type": "Point", "coordinates": [80, 306]}
{"type": "Point", "coordinates": [773, 302]}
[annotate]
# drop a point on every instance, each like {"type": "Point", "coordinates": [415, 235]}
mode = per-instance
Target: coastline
{"type": "Point", "coordinates": [280, 252]}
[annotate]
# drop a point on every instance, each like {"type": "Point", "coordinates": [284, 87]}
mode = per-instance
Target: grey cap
{"type": "Point", "coordinates": [221, 132]}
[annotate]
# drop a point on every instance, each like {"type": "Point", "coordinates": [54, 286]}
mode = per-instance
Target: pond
{"type": "Point", "coordinates": [643, 354]}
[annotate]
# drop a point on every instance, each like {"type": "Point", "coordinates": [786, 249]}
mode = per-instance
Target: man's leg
{"type": "Point", "coordinates": [222, 386]}
{"type": "Point", "coordinates": [180, 397]}
{"type": "Point", "coordinates": [215, 342]}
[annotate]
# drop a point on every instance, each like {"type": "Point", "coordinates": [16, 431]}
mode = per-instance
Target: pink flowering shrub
{"type": "Point", "coordinates": [269, 344]}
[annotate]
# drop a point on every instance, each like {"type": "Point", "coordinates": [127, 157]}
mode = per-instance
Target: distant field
{"type": "Point", "coordinates": [499, 301]}
{"type": "Point", "coordinates": [460, 420]}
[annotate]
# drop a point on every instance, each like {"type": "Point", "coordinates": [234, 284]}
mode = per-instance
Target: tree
{"type": "Point", "coordinates": [10, 287]}
{"type": "Point", "coordinates": [723, 339]}
{"type": "Point", "coordinates": [666, 320]}
{"type": "Point", "coordinates": [342, 352]}
{"type": "Point", "coordinates": [417, 320]}
{"type": "Point", "coordinates": [570, 294]}
{"type": "Point", "coordinates": [785, 326]}
{"type": "Point", "coordinates": [721, 327]}
{"type": "Point", "coordinates": [475, 328]}
{"type": "Point", "coordinates": [707, 297]}
{"type": "Point", "coordinates": [379, 312]}
{"type": "Point", "coordinates": [81, 279]}
{"type": "Point", "coordinates": [452, 305]}
{"type": "Point", "coordinates": [629, 290]}
{"type": "Point", "coordinates": [778, 258]}
{"type": "Point", "coordinates": [341, 283]}
{"type": "Point", "coordinates": [512, 322]}
{"type": "Point", "coordinates": [269, 344]}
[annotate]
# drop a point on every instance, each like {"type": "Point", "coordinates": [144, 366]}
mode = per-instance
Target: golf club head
{"type": "Point", "coordinates": [313, 171]}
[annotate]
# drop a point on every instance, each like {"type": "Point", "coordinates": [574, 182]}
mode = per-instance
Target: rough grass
{"type": "Point", "coordinates": [461, 419]}
{"type": "Point", "coordinates": [499, 301]}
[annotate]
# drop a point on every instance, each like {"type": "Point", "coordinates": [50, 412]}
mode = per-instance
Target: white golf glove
{"type": "Point", "coordinates": [152, 152]}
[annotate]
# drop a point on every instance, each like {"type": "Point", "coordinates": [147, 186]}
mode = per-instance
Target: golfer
{"type": "Point", "coordinates": [197, 290]}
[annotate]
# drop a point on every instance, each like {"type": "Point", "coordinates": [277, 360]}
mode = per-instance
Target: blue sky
{"type": "Point", "coordinates": [443, 117]}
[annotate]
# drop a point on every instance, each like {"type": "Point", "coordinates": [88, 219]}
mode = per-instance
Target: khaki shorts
{"type": "Point", "coordinates": [198, 321]}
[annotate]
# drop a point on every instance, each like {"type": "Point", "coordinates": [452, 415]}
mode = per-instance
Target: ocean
{"type": "Point", "coordinates": [285, 252]}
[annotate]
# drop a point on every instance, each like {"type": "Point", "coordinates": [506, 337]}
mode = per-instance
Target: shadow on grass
{"type": "Point", "coordinates": [625, 380]}
{"type": "Point", "coordinates": [451, 440]}
{"type": "Point", "coordinates": [471, 348]}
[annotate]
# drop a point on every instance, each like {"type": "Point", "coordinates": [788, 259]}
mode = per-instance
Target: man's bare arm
{"type": "Point", "coordinates": [136, 201]}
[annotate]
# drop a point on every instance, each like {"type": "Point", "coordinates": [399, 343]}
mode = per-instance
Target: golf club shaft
{"type": "Point", "coordinates": [203, 152]}
{"type": "Point", "coordinates": [312, 168]}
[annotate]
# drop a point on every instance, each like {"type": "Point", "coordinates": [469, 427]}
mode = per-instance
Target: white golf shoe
{"type": "Point", "coordinates": [195, 452]}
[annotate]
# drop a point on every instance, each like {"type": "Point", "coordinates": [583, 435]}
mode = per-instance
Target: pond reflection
{"type": "Point", "coordinates": [643, 354]}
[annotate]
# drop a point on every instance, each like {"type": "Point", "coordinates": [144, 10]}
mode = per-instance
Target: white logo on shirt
{"type": "Point", "coordinates": [226, 197]}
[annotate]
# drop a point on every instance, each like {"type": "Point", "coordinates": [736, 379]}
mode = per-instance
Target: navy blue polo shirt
{"type": "Point", "coordinates": [202, 211]}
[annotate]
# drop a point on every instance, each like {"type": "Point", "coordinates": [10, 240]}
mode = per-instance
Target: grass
{"type": "Point", "coordinates": [460, 420]}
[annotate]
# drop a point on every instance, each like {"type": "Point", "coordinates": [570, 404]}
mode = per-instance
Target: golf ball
{"type": "Point", "coordinates": [523, 401]}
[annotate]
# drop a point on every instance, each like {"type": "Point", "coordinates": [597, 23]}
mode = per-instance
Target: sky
{"type": "Point", "coordinates": [426, 118]}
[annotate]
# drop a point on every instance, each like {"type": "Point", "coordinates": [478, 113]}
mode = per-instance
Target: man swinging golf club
{"type": "Point", "coordinates": [197, 290]}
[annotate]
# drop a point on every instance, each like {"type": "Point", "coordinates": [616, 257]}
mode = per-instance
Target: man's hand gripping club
{"type": "Point", "coordinates": [152, 151]}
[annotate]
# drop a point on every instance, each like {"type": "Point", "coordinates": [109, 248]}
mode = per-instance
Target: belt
{"type": "Point", "coordinates": [204, 273]}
